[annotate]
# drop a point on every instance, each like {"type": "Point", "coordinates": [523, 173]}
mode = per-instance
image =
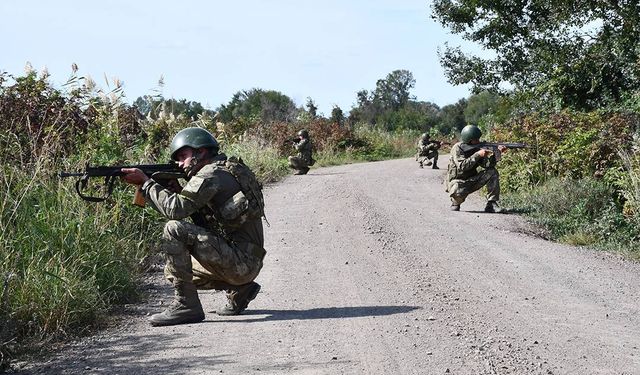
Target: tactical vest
{"type": "Point", "coordinates": [454, 174]}
{"type": "Point", "coordinates": [248, 203]}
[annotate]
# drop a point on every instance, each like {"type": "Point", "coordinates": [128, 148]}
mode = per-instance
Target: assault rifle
{"type": "Point", "coordinates": [290, 140]}
{"type": "Point", "coordinates": [440, 143]}
{"type": "Point", "coordinates": [161, 173]}
{"type": "Point", "coordinates": [492, 147]}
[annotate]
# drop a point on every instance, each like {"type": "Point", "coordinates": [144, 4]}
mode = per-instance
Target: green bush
{"type": "Point", "coordinates": [565, 144]}
{"type": "Point", "coordinates": [579, 212]}
{"type": "Point", "coordinates": [70, 260]}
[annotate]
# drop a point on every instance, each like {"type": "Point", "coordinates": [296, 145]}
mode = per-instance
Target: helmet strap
{"type": "Point", "coordinates": [196, 158]}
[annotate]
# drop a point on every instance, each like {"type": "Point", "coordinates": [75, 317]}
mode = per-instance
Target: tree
{"type": "Point", "coordinates": [393, 91]}
{"type": "Point", "coordinates": [479, 105]}
{"type": "Point", "coordinates": [581, 54]}
{"type": "Point", "coordinates": [452, 117]}
{"type": "Point", "coordinates": [337, 116]}
{"type": "Point", "coordinates": [390, 95]}
{"type": "Point", "coordinates": [312, 108]}
{"type": "Point", "coordinates": [259, 105]}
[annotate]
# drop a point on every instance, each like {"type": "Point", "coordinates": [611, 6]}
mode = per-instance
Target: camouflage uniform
{"type": "Point", "coordinates": [209, 254]}
{"type": "Point", "coordinates": [463, 176]}
{"type": "Point", "coordinates": [304, 159]}
{"type": "Point", "coordinates": [427, 149]}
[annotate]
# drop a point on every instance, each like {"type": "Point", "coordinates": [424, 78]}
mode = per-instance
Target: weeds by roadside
{"type": "Point", "coordinates": [579, 212]}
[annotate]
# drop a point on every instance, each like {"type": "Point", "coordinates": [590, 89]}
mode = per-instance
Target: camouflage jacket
{"type": "Point", "coordinates": [304, 150]}
{"type": "Point", "coordinates": [425, 145]}
{"type": "Point", "coordinates": [202, 199]}
{"type": "Point", "coordinates": [462, 166]}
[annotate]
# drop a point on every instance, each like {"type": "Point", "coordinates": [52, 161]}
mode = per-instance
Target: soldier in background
{"type": "Point", "coordinates": [472, 167]}
{"type": "Point", "coordinates": [427, 149]}
{"type": "Point", "coordinates": [304, 159]}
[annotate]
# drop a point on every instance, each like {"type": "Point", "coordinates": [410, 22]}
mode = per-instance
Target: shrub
{"type": "Point", "coordinates": [565, 144]}
{"type": "Point", "coordinates": [580, 212]}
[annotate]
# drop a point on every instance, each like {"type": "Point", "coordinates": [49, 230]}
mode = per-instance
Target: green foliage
{"type": "Point", "coordinates": [369, 143]}
{"type": "Point", "coordinates": [312, 109]}
{"type": "Point", "coordinates": [452, 117]}
{"type": "Point", "coordinates": [390, 96]}
{"type": "Point", "coordinates": [393, 91]}
{"type": "Point", "coordinates": [337, 115]}
{"type": "Point", "coordinates": [257, 105]}
{"type": "Point", "coordinates": [391, 106]}
{"type": "Point", "coordinates": [565, 144]}
{"type": "Point", "coordinates": [68, 259]}
{"type": "Point", "coordinates": [265, 162]}
{"type": "Point", "coordinates": [579, 212]}
{"type": "Point", "coordinates": [581, 55]}
{"type": "Point", "coordinates": [478, 106]}
{"type": "Point", "coordinates": [34, 114]}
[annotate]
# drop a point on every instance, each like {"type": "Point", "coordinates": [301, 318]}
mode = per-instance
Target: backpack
{"type": "Point", "coordinates": [249, 186]}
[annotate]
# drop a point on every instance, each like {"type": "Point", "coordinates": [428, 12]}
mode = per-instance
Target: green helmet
{"type": "Point", "coordinates": [303, 133]}
{"type": "Point", "coordinates": [469, 133]}
{"type": "Point", "coordinates": [425, 136]}
{"type": "Point", "coordinates": [194, 138]}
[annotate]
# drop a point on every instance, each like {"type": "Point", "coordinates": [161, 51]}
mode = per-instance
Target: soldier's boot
{"type": "Point", "coordinates": [454, 207]}
{"type": "Point", "coordinates": [238, 299]}
{"type": "Point", "coordinates": [493, 207]}
{"type": "Point", "coordinates": [435, 167]}
{"type": "Point", "coordinates": [421, 165]}
{"type": "Point", "coordinates": [305, 170]}
{"type": "Point", "coordinates": [185, 308]}
{"type": "Point", "coordinates": [428, 163]}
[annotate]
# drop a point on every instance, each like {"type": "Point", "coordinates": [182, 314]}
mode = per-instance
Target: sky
{"type": "Point", "coordinates": [206, 51]}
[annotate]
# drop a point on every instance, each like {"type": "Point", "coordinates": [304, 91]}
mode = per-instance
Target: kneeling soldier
{"type": "Point", "coordinates": [472, 167]}
{"type": "Point", "coordinates": [222, 246]}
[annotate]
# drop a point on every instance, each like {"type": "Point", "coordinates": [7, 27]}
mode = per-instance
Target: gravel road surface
{"type": "Point", "coordinates": [368, 272]}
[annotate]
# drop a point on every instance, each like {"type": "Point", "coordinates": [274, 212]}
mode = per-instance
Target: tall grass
{"type": "Point", "coordinates": [579, 212]}
{"type": "Point", "coordinates": [68, 261]}
{"type": "Point", "coordinates": [370, 143]}
{"type": "Point", "coordinates": [264, 160]}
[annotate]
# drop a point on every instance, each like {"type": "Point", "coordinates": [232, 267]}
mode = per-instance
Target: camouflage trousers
{"type": "Point", "coordinates": [296, 162]}
{"type": "Point", "coordinates": [194, 254]}
{"type": "Point", "coordinates": [460, 189]}
{"type": "Point", "coordinates": [422, 157]}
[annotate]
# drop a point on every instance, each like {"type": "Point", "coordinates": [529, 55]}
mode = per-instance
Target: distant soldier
{"type": "Point", "coordinates": [427, 149]}
{"type": "Point", "coordinates": [303, 160]}
{"type": "Point", "coordinates": [470, 168]}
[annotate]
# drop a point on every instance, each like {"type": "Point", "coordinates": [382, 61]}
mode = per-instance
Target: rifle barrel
{"type": "Point", "coordinates": [70, 174]}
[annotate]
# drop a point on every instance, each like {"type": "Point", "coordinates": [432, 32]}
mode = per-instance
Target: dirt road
{"type": "Point", "coordinates": [368, 272]}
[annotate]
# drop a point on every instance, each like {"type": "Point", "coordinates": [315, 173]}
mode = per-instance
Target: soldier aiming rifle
{"type": "Point", "coordinates": [472, 165]}
{"type": "Point", "coordinates": [304, 159]}
{"type": "Point", "coordinates": [428, 149]}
